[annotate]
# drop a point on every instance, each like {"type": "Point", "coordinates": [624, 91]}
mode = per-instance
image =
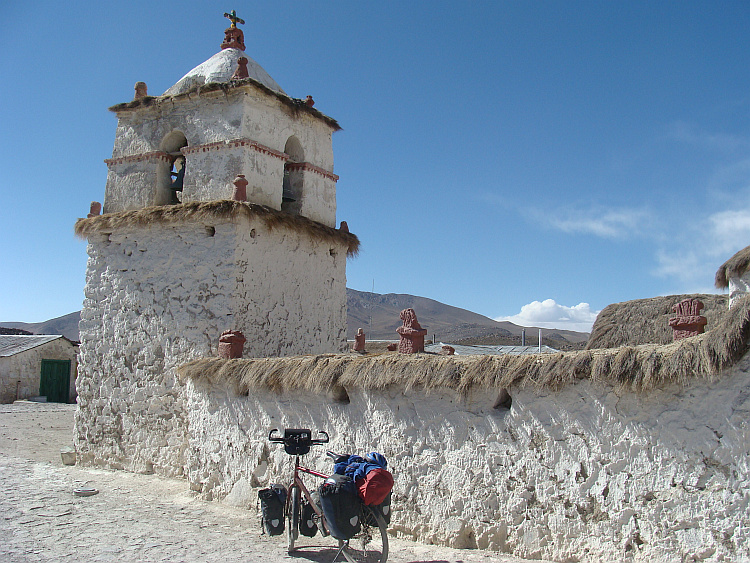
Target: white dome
{"type": "Point", "coordinates": [220, 68]}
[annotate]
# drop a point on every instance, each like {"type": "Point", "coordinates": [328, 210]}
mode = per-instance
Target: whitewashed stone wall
{"type": "Point", "coordinates": [587, 473]}
{"type": "Point", "coordinates": [216, 120]}
{"type": "Point", "coordinates": [26, 367]}
{"type": "Point", "coordinates": [160, 296]}
{"type": "Point", "coordinates": [739, 286]}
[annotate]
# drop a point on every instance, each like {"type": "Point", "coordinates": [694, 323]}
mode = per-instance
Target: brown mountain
{"type": "Point", "coordinates": [67, 325]}
{"type": "Point", "coordinates": [378, 315]}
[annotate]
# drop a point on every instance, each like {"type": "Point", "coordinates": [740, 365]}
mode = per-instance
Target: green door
{"type": "Point", "coordinates": [55, 381]}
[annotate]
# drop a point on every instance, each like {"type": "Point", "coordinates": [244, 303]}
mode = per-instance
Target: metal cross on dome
{"type": "Point", "coordinates": [232, 17]}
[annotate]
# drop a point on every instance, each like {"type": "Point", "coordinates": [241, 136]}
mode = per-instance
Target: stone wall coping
{"type": "Point", "coordinates": [309, 167]}
{"type": "Point", "coordinates": [223, 209]}
{"type": "Point", "coordinates": [639, 368]}
{"type": "Point", "coordinates": [295, 104]}
{"type": "Point", "coordinates": [154, 155]}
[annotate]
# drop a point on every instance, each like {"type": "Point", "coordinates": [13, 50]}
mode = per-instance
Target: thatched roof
{"type": "Point", "coordinates": [294, 104]}
{"type": "Point", "coordinates": [646, 321]}
{"type": "Point", "coordinates": [637, 367]}
{"type": "Point", "coordinates": [736, 266]}
{"type": "Point", "coordinates": [212, 210]}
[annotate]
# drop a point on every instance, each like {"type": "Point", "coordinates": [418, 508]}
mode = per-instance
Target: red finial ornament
{"type": "Point", "coordinates": [241, 71]}
{"type": "Point", "coordinates": [233, 36]}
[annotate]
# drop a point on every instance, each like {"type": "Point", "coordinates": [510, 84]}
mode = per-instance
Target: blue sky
{"type": "Point", "coordinates": [526, 160]}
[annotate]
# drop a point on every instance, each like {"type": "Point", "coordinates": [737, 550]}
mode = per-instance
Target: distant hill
{"type": "Point", "coordinates": [378, 315]}
{"type": "Point", "coordinates": [67, 325]}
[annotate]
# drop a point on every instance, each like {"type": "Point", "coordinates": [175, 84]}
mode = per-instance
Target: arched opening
{"type": "Point", "coordinates": [171, 172]}
{"type": "Point", "coordinates": [291, 198]}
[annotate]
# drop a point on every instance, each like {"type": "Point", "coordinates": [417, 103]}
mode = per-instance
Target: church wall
{"type": "Point", "coordinates": [587, 473]}
{"type": "Point", "coordinates": [131, 185]}
{"type": "Point", "coordinates": [159, 296]}
{"type": "Point", "coordinates": [211, 173]}
{"type": "Point", "coordinates": [202, 119]}
{"type": "Point", "coordinates": [291, 293]}
{"type": "Point", "coordinates": [154, 298]}
{"type": "Point", "coordinates": [271, 123]}
{"type": "Point", "coordinates": [319, 198]}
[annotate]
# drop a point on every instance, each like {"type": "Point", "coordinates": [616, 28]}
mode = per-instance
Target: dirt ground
{"type": "Point", "coordinates": [135, 517]}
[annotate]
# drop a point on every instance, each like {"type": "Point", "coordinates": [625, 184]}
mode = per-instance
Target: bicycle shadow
{"type": "Point", "coordinates": [316, 553]}
{"type": "Point", "coordinates": [326, 555]}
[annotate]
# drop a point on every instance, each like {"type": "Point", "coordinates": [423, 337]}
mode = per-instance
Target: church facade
{"type": "Point", "coordinates": [180, 255]}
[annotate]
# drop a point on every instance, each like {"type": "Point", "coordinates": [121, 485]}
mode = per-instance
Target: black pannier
{"type": "Point", "coordinates": [307, 525]}
{"type": "Point", "coordinates": [341, 506]}
{"type": "Point", "coordinates": [384, 509]}
{"type": "Point", "coordinates": [272, 501]}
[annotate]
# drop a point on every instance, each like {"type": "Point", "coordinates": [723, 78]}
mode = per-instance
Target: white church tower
{"type": "Point", "coordinates": [186, 248]}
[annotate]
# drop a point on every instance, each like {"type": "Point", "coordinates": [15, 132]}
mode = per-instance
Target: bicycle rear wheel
{"type": "Point", "coordinates": [370, 545]}
{"type": "Point", "coordinates": [292, 518]}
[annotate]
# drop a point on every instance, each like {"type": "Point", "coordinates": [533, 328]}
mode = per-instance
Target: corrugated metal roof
{"type": "Point", "coordinates": [12, 344]}
{"type": "Point", "coordinates": [462, 350]}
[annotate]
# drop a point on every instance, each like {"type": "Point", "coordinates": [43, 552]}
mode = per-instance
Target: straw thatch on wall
{"type": "Point", "coordinates": [212, 210]}
{"type": "Point", "coordinates": [637, 367]}
{"type": "Point", "coordinates": [646, 321]}
{"type": "Point", "coordinates": [293, 104]}
{"type": "Point", "coordinates": [736, 266]}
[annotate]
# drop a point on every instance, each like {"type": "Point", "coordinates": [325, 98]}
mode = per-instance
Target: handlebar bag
{"type": "Point", "coordinates": [272, 501]}
{"type": "Point", "coordinates": [297, 441]}
{"type": "Point", "coordinates": [341, 506]}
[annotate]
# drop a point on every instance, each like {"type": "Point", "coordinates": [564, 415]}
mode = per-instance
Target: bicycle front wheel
{"type": "Point", "coordinates": [292, 518]}
{"type": "Point", "coordinates": [370, 545]}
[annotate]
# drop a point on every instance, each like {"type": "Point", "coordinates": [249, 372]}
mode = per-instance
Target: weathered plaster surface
{"type": "Point", "coordinates": [220, 68]}
{"type": "Point", "coordinates": [587, 473]}
{"type": "Point", "coordinates": [738, 287]}
{"type": "Point", "coordinates": [159, 296]}
{"type": "Point", "coordinates": [26, 368]}
{"type": "Point", "coordinates": [222, 118]}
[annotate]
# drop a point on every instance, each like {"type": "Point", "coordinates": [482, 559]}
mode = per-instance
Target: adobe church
{"type": "Point", "coordinates": [219, 214]}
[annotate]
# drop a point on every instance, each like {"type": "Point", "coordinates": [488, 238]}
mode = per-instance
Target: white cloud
{"type": "Point", "coordinates": [550, 314]}
{"type": "Point", "coordinates": [730, 230]}
{"type": "Point", "coordinates": [689, 134]}
{"type": "Point", "coordinates": [703, 245]}
{"type": "Point", "coordinates": [598, 221]}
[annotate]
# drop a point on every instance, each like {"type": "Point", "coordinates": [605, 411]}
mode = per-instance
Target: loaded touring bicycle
{"type": "Point", "coordinates": [334, 508]}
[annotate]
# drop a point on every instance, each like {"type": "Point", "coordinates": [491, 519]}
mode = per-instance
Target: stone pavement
{"type": "Point", "coordinates": [134, 517]}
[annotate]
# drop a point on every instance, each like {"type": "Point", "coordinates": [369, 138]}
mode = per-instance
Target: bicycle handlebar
{"type": "Point", "coordinates": [281, 439]}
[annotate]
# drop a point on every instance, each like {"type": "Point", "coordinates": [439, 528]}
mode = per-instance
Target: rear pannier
{"type": "Point", "coordinates": [341, 506]}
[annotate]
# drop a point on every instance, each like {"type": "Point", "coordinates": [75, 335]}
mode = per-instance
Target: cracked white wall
{"type": "Point", "coordinates": [587, 473]}
{"type": "Point", "coordinates": [159, 296]}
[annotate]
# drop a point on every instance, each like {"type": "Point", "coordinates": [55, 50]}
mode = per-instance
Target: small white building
{"type": "Point", "coordinates": [37, 366]}
{"type": "Point", "coordinates": [174, 261]}
{"type": "Point", "coordinates": [734, 274]}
